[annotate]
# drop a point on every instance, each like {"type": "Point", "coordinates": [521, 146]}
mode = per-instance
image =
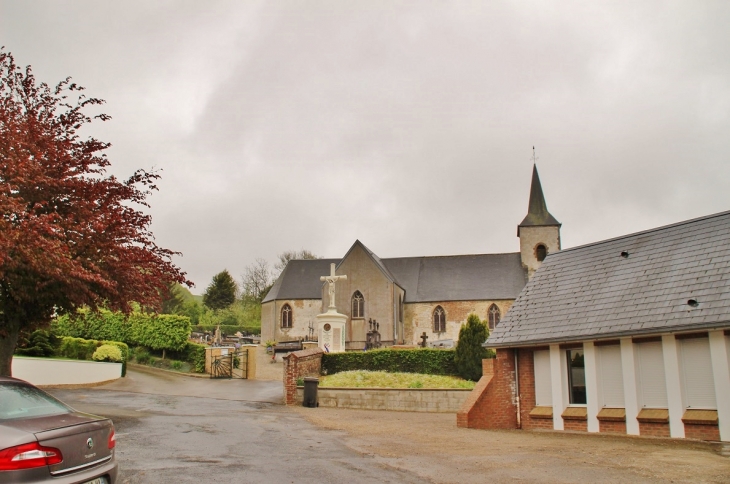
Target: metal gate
{"type": "Point", "coordinates": [232, 365]}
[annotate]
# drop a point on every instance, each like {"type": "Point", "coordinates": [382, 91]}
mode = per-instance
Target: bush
{"type": "Point", "coordinates": [107, 353]}
{"type": "Point", "coordinates": [83, 349]}
{"type": "Point", "coordinates": [176, 365]}
{"type": "Point", "coordinates": [192, 353]}
{"type": "Point", "coordinates": [426, 361]}
{"type": "Point", "coordinates": [41, 342]}
{"type": "Point", "coordinates": [141, 355]}
{"type": "Point", "coordinates": [469, 349]}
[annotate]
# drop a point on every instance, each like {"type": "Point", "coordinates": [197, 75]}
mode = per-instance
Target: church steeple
{"type": "Point", "coordinates": [539, 232]}
{"type": "Point", "coordinates": [537, 212]}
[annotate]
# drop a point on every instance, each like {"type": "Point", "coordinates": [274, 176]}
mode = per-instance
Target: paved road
{"type": "Point", "coordinates": [184, 430]}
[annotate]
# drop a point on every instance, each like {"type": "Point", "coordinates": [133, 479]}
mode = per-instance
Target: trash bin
{"type": "Point", "coordinates": [310, 392]}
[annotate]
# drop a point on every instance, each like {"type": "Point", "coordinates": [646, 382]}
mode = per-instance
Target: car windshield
{"type": "Point", "coordinates": [22, 401]}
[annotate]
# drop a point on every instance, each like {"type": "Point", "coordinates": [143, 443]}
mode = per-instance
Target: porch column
{"type": "Point", "coordinates": [589, 352]}
{"type": "Point", "coordinates": [721, 375]}
{"type": "Point", "coordinates": [674, 387]}
{"type": "Point", "coordinates": [631, 396]}
{"type": "Point", "coordinates": [556, 379]}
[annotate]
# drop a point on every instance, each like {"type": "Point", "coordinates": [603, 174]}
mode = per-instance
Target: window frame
{"type": "Point", "coordinates": [571, 395]}
{"type": "Point", "coordinates": [440, 325]}
{"type": "Point", "coordinates": [357, 312]}
{"type": "Point", "coordinates": [287, 316]}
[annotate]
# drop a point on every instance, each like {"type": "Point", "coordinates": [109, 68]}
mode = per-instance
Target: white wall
{"type": "Point", "coordinates": [48, 371]}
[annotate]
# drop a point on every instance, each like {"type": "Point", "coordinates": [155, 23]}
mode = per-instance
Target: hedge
{"type": "Point", "coordinates": [83, 349]}
{"type": "Point", "coordinates": [159, 332]}
{"type": "Point", "coordinates": [228, 329]}
{"type": "Point", "coordinates": [425, 361]}
{"type": "Point", "coordinates": [194, 354]}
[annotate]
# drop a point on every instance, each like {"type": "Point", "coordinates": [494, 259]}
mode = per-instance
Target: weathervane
{"type": "Point", "coordinates": [534, 158]}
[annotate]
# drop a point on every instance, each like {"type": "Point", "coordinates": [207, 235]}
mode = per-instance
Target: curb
{"type": "Point", "coordinates": [137, 366]}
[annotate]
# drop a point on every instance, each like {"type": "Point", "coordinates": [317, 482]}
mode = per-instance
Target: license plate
{"type": "Point", "coordinates": [98, 480]}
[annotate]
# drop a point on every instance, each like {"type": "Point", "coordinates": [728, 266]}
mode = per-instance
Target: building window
{"type": "Point", "coordinates": [494, 316]}
{"type": "Point", "coordinates": [543, 385]}
{"type": "Point", "coordinates": [695, 366]}
{"type": "Point", "coordinates": [576, 377]}
{"type": "Point", "coordinates": [439, 320]}
{"type": "Point", "coordinates": [358, 305]}
{"type": "Point", "coordinates": [541, 252]}
{"type": "Point", "coordinates": [610, 377]}
{"type": "Point", "coordinates": [650, 382]}
{"type": "Point", "coordinates": [286, 316]}
{"type": "Point", "coordinates": [400, 308]}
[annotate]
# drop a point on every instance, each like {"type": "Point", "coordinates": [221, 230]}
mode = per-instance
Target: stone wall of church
{"type": "Point", "coordinates": [419, 317]}
{"type": "Point", "coordinates": [364, 275]}
{"type": "Point", "coordinates": [530, 238]}
{"type": "Point", "coordinates": [304, 312]}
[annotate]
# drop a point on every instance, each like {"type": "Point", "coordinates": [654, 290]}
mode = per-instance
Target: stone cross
{"type": "Point", "coordinates": [424, 337]}
{"type": "Point", "coordinates": [331, 279]}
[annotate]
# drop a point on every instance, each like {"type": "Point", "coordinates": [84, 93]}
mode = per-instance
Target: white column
{"type": "Point", "coordinates": [721, 375]}
{"type": "Point", "coordinates": [557, 384]}
{"type": "Point", "coordinates": [631, 397]}
{"type": "Point", "coordinates": [589, 353]}
{"type": "Point", "coordinates": [674, 387]}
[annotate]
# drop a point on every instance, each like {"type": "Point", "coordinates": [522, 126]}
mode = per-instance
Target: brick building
{"type": "Point", "coordinates": [409, 296]}
{"type": "Point", "coordinates": [629, 335]}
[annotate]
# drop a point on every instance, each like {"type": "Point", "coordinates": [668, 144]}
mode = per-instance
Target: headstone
{"type": "Point", "coordinates": [424, 337]}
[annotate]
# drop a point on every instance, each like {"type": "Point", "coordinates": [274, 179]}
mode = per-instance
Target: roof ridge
{"type": "Point", "coordinates": [641, 232]}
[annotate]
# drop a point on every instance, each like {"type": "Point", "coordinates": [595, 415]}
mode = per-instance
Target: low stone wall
{"type": "Point", "coordinates": [49, 371]}
{"type": "Point", "coordinates": [406, 400]}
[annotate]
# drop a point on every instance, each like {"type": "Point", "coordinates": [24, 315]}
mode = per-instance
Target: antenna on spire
{"type": "Point", "coordinates": [534, 157]}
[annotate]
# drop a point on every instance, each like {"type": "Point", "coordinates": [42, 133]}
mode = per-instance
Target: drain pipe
{"type": "Point", "coordinates": [517, 390]}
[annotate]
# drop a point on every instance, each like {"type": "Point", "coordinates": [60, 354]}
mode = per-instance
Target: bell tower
{"type": "Point", "coordinates": [539, 232]}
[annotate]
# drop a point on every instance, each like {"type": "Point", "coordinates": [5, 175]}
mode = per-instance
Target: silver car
{"type": "Point", "coordinates": [44, 440]}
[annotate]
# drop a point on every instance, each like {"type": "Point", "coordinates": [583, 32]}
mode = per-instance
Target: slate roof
{"type": "Point", "coordinates": [300, 280]}
{"type": "Point", "coordinates": [593, 292]}
{"type": "Point", "coordinates": [424, 279]}
{"type": "Point", "coordinates": [537, 212]}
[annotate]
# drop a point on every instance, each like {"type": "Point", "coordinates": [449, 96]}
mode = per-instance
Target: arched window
{"type": "Point", "coordinates": [439, 320]}
{"type": "Point", "coordinates": [540, 252]}
{"type": "Point", "coordinates": [286, 316]}
{"type": "Point", "coordinates": [494, 316]}
{"type": "Point", "coordinates": [358, 305]}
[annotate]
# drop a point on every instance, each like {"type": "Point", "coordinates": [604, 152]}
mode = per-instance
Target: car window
{"type": "Point", "coordinates": [22, 401]}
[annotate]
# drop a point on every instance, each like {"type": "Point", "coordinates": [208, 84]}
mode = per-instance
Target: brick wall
{"type": "Point", "coordinates": [575, 425]}
{"type": "Point", "coordinates": [300, 364]}
{"type": "Point", "coordinates": [492, 402]}
{"type": "Point", "coordinates": [702, 432]}
{"type": "Point", "coordinates": [612, 427]}
{"type": "Point", "coordinates": [654, 429]}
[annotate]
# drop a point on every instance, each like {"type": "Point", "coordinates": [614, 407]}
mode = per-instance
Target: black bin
{"type": "Point", "coordinates": [310, 392]}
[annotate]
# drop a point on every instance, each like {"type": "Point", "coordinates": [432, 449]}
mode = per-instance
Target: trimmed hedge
{"type": "Point", "coordinates": [83, 349]}
{"type": "Point", "coordinates": [228, 329]}
{"type": "Point", "coordinates": [425, 361]}
{"type": "Point", "coordinates": [159, 332]}
{"type": "Point", "coordinates": [194, 354]}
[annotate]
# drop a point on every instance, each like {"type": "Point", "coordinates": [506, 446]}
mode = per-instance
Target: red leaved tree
{"type": "Point", "coordinates": [70, 234]}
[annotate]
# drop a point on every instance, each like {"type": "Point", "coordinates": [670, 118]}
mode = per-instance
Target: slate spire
{"type": "Point", "coordinates": [537, 213]}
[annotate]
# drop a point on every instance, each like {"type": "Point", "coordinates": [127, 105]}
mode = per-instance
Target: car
{"type": "Point", "coordinates": [44, 440]}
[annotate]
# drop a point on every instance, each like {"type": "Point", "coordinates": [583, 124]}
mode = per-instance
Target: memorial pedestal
{"type": "Point", "coordinates": [331, 328]}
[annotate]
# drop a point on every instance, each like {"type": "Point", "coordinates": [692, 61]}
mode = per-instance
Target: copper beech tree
{"type": "Point", "coordinates": [70, 234]}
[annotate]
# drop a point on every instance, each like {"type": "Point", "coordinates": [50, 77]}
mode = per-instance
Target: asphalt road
{"type": "Point", "coordinates": [184, 430]}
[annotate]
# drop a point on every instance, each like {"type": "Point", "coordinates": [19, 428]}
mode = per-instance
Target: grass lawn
{"type": "Point", "coordinates": [382, 379]}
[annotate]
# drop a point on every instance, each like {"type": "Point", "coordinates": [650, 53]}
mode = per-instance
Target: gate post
{"type": "Point", "coordinates": [250, 361]}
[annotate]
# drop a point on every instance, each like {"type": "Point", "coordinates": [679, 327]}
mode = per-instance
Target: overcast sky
{"type": "Point", "coordinates": [408, 125]}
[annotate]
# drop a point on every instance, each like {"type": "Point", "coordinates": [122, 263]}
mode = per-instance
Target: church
{"type": "Point", "coordinates": [403, 298]}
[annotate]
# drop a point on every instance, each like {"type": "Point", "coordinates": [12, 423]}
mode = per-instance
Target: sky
{"type": "Point", "coordinates": [289, 125]}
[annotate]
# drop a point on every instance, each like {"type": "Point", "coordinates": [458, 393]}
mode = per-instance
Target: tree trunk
{"type": "Point", "coordinates": [8, 342]}
{"type": "Point", "coordinates": [163, 353]}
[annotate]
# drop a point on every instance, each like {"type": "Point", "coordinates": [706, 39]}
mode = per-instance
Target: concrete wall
{"type": "Point", "coordinates": [406, 400]}
{"type": "Point", "coordinates": [48, 371]}
{"type": "Point", "coordinates": [419, 317]}
{"type": "Point", "coordinates": [304, 311]}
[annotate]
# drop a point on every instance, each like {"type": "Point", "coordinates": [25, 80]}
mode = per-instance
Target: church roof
{"type": "Point", "coordinates": [673, 278]}
{"type": "Point", "coordinates": [424, 279]}
{"type": "Point", "coordinates": [300, 280]}
{"type": "Point", "coordinates": [459, 277]}
{"type": "Point", "coordinates": [537, 212]}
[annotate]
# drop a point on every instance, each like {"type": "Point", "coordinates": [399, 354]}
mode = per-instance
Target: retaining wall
{"type": "Point", "coordinates": [407, 400]}
{"type": "Point", "coordinates": [49, 371]}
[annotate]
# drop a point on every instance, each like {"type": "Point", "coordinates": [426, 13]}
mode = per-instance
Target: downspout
{"type": "Point", "coordinates": [517, 390]}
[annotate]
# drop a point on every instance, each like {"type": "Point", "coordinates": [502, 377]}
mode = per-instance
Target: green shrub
{"type": "Point", "coordinates": [107, 353]}
{"type": "Point", "coordinates": [426, 361]}
{"type": "Point", "coordinates": [141, 355]}
{"type": "Point", "coordinates": [77, 348]}
{"type": "Point", "coordinates": [192, 353]}
{"type": "Point", "coordinates": [469, 349]}
{"type": "Point", "coordinates": [176, 365]}
{"type": "Point", "coordinates": [41, 342]}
